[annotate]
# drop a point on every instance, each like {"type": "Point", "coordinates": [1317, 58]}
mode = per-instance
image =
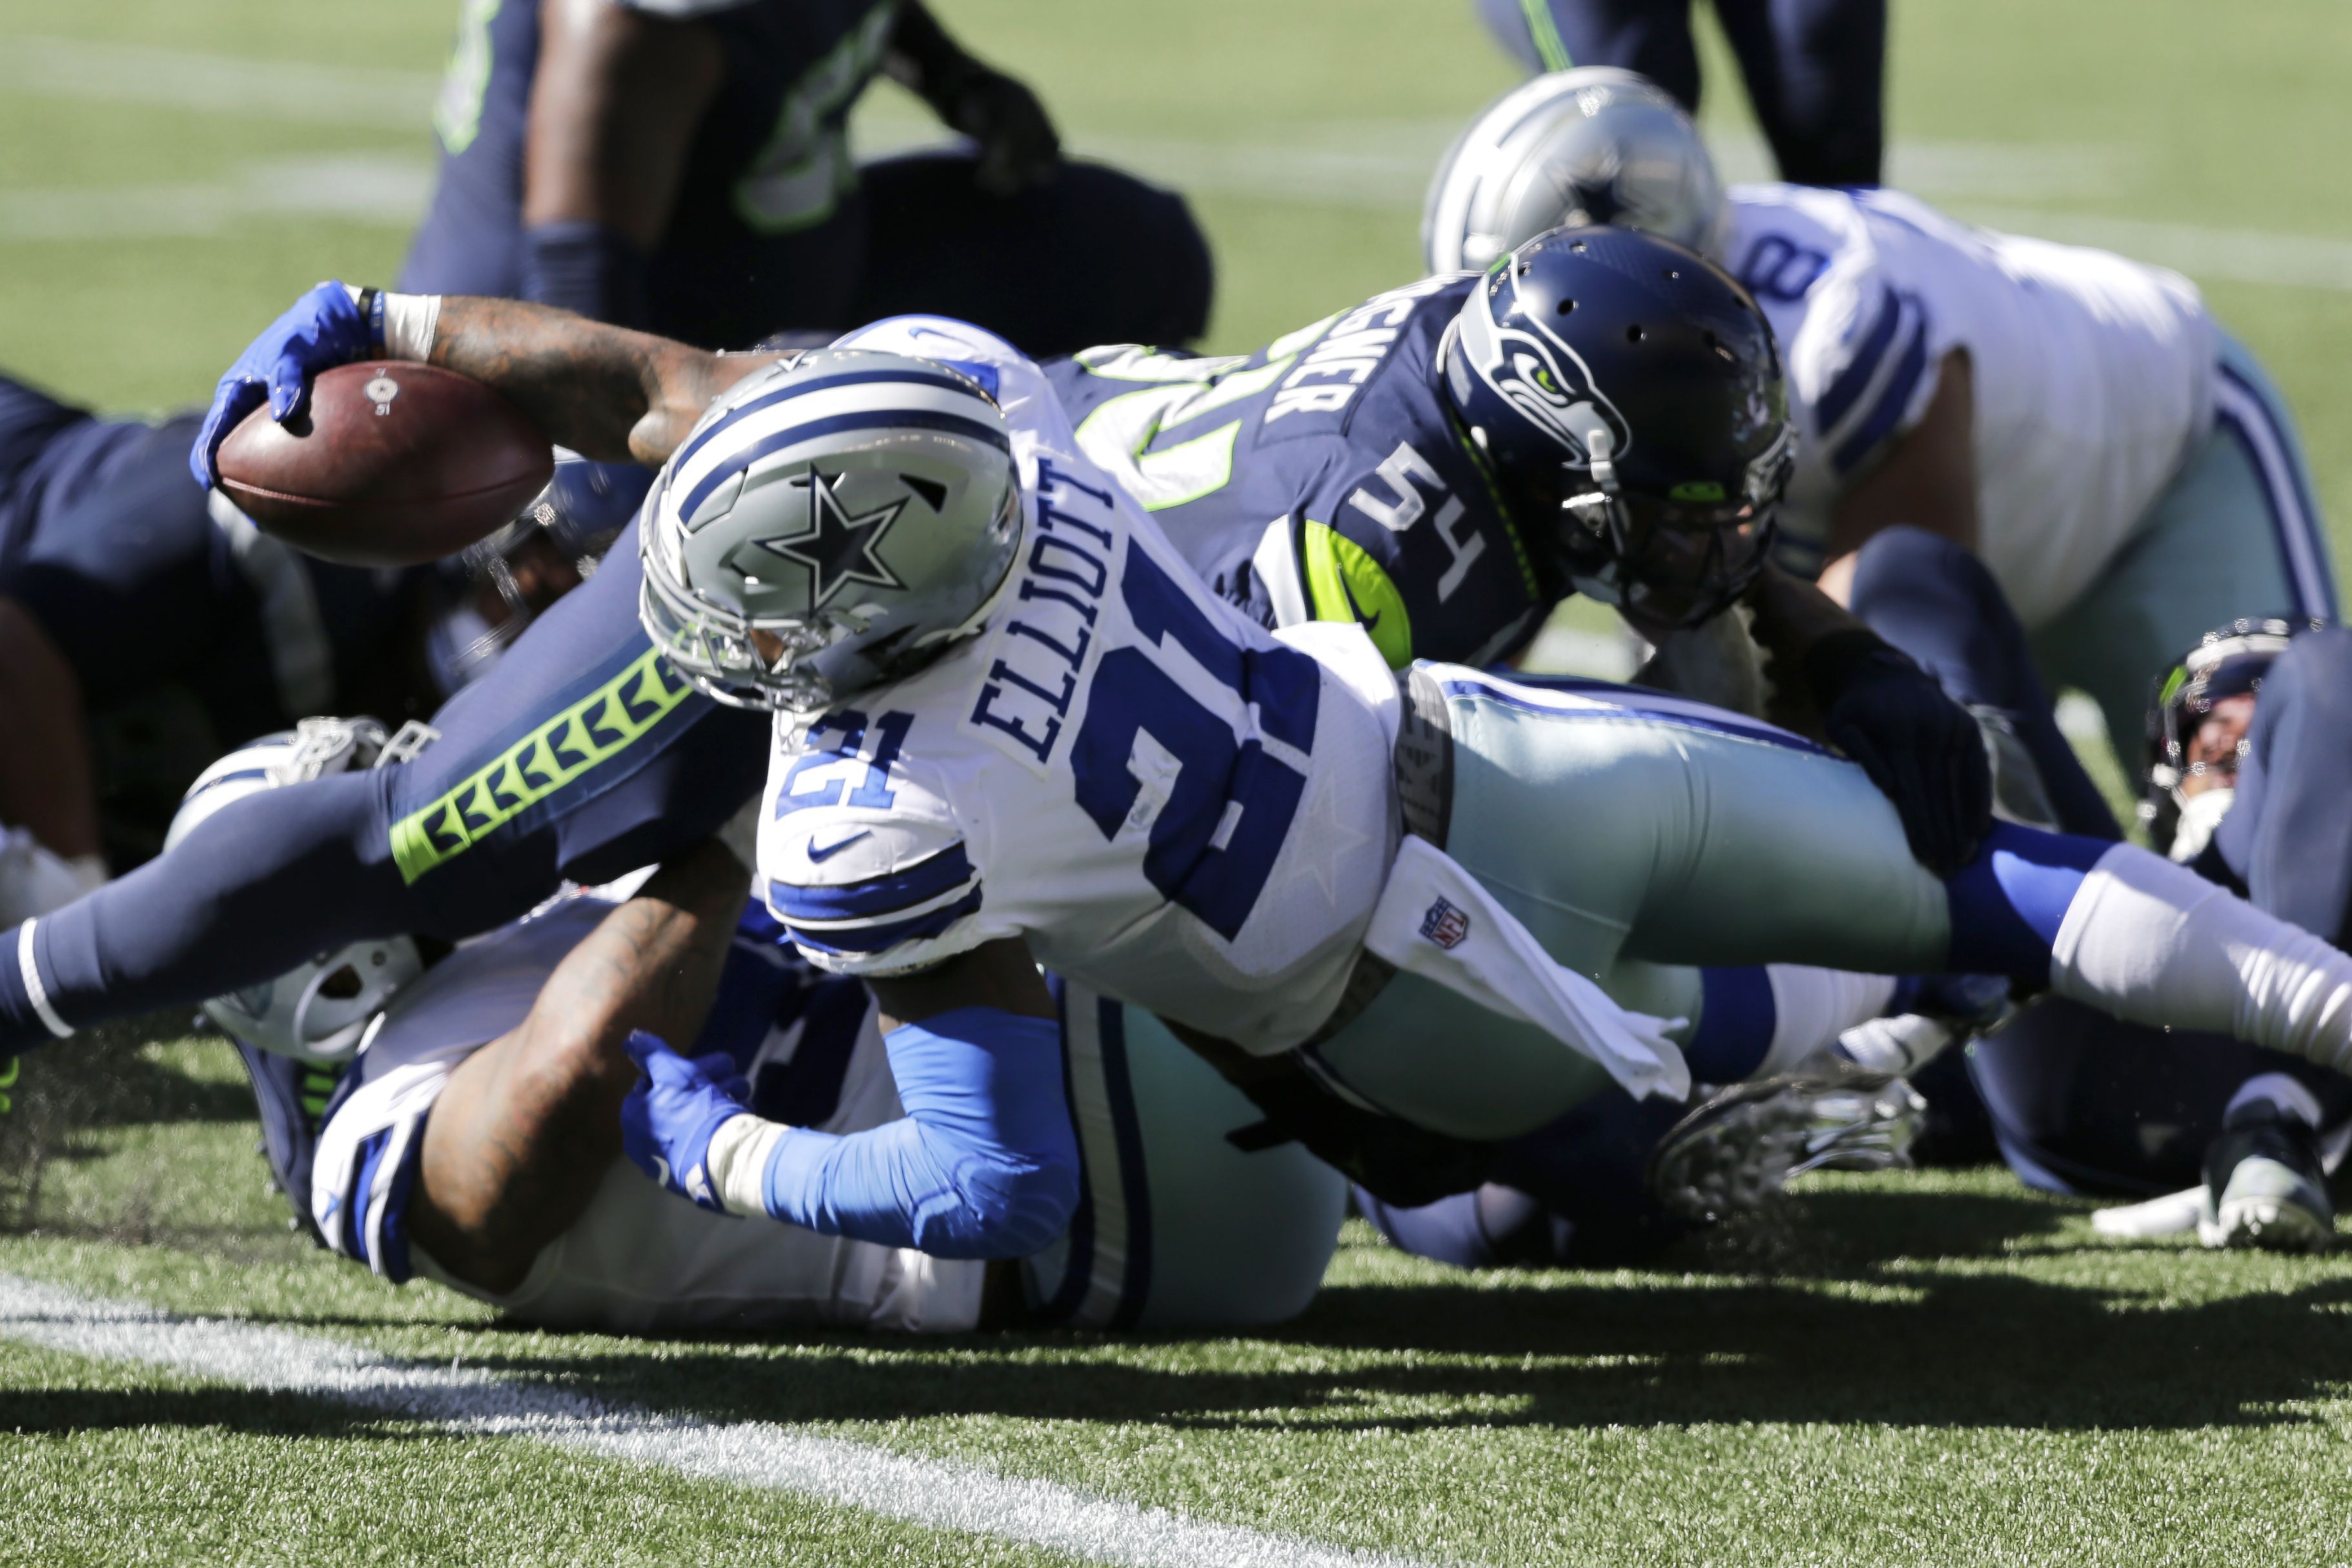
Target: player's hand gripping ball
{"type": "Point", "coordinates": [374, 462]}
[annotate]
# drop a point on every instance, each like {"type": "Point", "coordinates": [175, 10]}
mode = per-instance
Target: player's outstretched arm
{"type": "Point", "coordinates": [605, 391]}
{"type": "Point", "coordinates": [983, 1165]}
{"type": "Point", "coordinates": [522, 1134]}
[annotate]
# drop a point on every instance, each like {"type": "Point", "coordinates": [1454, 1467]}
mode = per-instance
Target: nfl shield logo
{"type": "Point", "coordinates": [1444, 924]}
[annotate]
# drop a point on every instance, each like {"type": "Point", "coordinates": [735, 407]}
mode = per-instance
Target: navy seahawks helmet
{"type": "Point", "coordinates": [1628, 397]}
{"type": "Point", "coordinates": [2228, 662]}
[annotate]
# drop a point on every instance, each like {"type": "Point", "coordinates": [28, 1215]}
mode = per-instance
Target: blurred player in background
{"type": "Point", "coordinates": [108, 556]}
{"type": "Point", "coordinates": [478, 1140]}
{"type": "Point", "coordinates": [145, 627]}
{"type": "Point", "coordinates": [684, 166]}
{"type": "Point", "coordinates": [1815, 69]}
{"type": "Point", "coordinates": [2078, 421]}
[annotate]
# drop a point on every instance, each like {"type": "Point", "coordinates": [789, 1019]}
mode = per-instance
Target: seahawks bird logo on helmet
{"type": "Point", "coordinates": [1534, 370]}
{"type": "Point", "coordinates": [835, 520]}
{"type": "Point", "coordinates": [1625, 395]}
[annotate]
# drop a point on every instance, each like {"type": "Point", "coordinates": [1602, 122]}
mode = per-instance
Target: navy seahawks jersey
{"type": "Point", "coordinates": [1322, 478]}
{"type": "Point", "coordinates": [770, 167]}
{"type": "Point", "coordinates": [188, 629]}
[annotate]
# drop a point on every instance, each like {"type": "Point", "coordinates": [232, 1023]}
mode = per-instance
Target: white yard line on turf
{"type": "Point", "coordinates": [937, 1494]}
{"type": "Point", "coordinates": [228, 84]}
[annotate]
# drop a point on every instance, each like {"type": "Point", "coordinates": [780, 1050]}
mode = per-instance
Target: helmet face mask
{"type": "Point", "coordinates": [319, 1012]}
{"type": "Point", "coordinates": [1668, 568]}
{"type": "Point", "coordinates": [831, 524]}
{"type": "Point", "coordinates": [322, 1012]}
{"type": "Point", "coordinates": [2228, 661]}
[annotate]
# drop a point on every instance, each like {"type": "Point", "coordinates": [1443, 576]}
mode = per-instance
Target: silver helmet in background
{"type": "Point", "coordinates": [1595, 145]}
{"type": "Point", "coordinates": [317, 1012]}
{"type": "Point", "coordinates": [836, 520]}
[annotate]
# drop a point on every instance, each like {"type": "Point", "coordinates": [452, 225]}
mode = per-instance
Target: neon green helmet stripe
{"type": "Point", "coordinates": [1540, 27]}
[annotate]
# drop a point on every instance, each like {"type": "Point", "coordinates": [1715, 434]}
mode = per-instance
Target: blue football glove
{"type": "Point", "coordinates": [669, 1115]}
{"type": "Point", "coordinates": [324, 329]}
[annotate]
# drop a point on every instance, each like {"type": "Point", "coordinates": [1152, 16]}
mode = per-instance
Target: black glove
{"type": "Point", "coordinates": [1018, 145]}
{"type": "Point", "coordinates": [1919, 746]}
{"type": "Point", "coordinates": [1392, 1159]}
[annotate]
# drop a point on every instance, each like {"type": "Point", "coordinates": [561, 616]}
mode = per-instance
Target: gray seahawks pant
{"type": "Point", "coordinates": [1634, 835]}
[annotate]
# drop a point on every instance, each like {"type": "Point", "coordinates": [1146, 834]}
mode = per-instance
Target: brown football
{"type": "Point", "coordinates": [392, 463]}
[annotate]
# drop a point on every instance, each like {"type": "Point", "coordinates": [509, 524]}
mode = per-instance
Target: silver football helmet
{"type": "Point", "coordinates": [317, 1012]}
{"type": "Point", "coordinates": [836, 520]}
{"type": "Point", "coordinates": [1594, 145]}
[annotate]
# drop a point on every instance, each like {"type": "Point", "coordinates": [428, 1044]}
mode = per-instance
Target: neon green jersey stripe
{"type": "Point", "coordinates": [592, 730]}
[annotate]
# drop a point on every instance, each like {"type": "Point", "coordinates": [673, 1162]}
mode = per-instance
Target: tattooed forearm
{"type": "Point", "coordinates": [604, 391]}
{"type": "Point", "coordinates": [526, 1128]}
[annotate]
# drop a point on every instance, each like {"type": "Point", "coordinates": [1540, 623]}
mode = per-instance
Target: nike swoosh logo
{"type": "Point", "coordinates": [830, 850]}
{"type": "Point", "coordinates": [1356, 610]}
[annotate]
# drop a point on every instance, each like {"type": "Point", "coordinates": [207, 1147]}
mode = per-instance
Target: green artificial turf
{"type": "Point", "coordinates": [1913, 1369]}
{"type": "Point", "coordinates": [1936, 1368]}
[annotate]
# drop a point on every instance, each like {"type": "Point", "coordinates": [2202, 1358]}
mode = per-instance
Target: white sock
{"type": "Point", "coordinates": [1900, 1045]}
{"type": "Point", "coordinates": [2153, 943]}
{"type": "Point", "coordinates": [1812, 1008]}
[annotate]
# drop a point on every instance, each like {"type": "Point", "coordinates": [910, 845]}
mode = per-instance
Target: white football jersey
{"type": "Point", "coordinates": [2093, 375]}
{"type": "Point", "coordinates": [1171, 806]}
{"type": "Point", "coordinates": [638, 1260]}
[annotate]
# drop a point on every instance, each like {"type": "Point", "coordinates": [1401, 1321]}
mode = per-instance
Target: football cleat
{"type": "Point", "coordinates": [1743, 1143]}
{"type": "Point", "coordinates": [2174, 1214]}
{"type": "Point", "coordinates": [292, 1098]}
{"type": "Point", "coordinates": [2265, 1184]}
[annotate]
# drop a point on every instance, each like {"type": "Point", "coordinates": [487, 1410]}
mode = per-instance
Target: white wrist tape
{"type": "Point", "coordinates": [737, 1163]}
{"type": "Point", "coordinates": [407, 324]}
{"type": "Point", "coordinates": [2156, 944]}
{"type": "Point", "coordinates": [1810, 1008]}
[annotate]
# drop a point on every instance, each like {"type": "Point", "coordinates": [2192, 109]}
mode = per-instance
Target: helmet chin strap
{"type": "Point", "coordinates": [1600, 448]}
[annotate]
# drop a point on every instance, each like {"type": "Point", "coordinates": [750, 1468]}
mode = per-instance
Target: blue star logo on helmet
{"type": "Point", "coordinates": [837, 549]}
{"type": "Point", "coordinates": [1528, 366]}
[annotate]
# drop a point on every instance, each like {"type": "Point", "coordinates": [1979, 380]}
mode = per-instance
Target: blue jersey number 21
{"type": "Point", "coordinates": [1228, 803]}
